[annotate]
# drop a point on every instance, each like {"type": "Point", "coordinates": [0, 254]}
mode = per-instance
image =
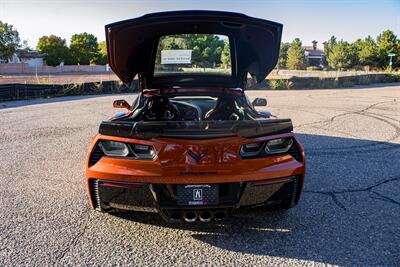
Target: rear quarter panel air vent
{"type": "Point", "coordinates": [96, 155]}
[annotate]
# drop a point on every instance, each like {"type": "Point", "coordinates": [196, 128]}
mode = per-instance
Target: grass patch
{"type": "Point", "coordinates": [280, 84]}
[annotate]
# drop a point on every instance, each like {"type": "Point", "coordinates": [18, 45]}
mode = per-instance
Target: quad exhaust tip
{"type": "Point", "coordinates": [175, 216]}
{"type": "Point", "coordinates": [203, 216]}
{"type": "Point", "coordinates": [206, 216]}
{"type": "Point", "coordinates": [190, 216]}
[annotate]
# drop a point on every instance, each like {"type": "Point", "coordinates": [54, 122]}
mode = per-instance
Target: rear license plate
{"type": "Point", "coordinates": [197, 195]}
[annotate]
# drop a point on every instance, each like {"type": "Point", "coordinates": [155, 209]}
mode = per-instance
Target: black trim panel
{"type": "Point", "coordinates": [195, 129]}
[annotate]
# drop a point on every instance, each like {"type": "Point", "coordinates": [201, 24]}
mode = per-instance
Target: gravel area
{"type": "Point", "coordinates": [349, 213]}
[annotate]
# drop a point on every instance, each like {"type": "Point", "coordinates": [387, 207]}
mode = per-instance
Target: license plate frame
{"type": "Point", "coordinates": [198, 195]}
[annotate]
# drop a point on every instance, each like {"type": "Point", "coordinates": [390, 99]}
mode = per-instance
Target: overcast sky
{"type": "Point", "coordinates": [308, 20]}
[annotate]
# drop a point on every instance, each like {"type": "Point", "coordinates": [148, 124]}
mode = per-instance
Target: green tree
{"type": "Point", "coordinates": [102, 57]}
{"type": "Point", "coordinates": [296, 57]}
{"type": "Point", "coordinates": [9, 40]}
{"type": "Point", "coordinates": [328, 46]}
{"type": "Point", "coordinates": [207, 55]}
{"type": "Point", "coordinates": [226, 55]}
{"type": "Point", "coordinates": [196, 54]}
{"type": "Point", "coordinates": [84, 48]}
{"type": "Point", "coordinates": [342, 55]}
{"type": "Point", "coordinates": [388, 43]}
{"type": "Point", "coordinates": [55, 49]}
{"type": "Point", "coordinates": [283, 53]}
{"type": "Point", "coordinates": [367, 52]}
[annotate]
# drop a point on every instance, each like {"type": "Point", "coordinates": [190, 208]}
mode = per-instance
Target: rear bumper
{"type": "Point", "coordinates": [162, 198]}
{"type": "Point", "coordinates": [151, 185]}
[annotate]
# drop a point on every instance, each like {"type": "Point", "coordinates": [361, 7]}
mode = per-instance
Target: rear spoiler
{"type": "Point", "coordinates": [195, 129]}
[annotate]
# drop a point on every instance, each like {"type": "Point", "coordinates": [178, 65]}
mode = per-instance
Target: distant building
{"type": "Point", "coordinates": [314, 55]}
{"type": "Point", "coordinates": [30, 57]}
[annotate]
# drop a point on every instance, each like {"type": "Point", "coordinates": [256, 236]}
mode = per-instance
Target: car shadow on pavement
{"type": "Point", "coordinates": [346, 215]}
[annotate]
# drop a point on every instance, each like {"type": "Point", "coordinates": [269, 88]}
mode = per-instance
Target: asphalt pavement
{"type": "Point", "coordinates": [349, 213]}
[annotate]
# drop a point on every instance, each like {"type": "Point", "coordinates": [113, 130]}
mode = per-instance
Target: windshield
{"type": "Point", "coordinates": [193, 54]}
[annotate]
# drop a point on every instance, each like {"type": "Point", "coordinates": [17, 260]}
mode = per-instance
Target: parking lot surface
{"type": "Point", "coordinates": [349, 213]}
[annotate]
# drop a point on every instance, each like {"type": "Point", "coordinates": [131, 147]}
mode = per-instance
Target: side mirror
{"type": "Point", "coordinates": [259, 102]}
{"type": "Point", "coordinates": [121, 103]}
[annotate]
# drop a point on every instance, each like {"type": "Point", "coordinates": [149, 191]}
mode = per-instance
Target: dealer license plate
{"type": "Point", "coordinates": [197, 195]}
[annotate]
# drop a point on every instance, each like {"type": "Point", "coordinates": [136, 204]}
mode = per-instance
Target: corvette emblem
{"type": "Point", "coordinates": [197, 156]}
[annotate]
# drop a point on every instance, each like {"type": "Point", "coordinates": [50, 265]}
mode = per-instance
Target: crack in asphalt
{"type": "Point", "coordinates": [385, 198]}
{"type": "Point", "coordinates": [73, 242]}
{"type": "Point", "coordinates": [331, 119]}
{"type": "Point", "coordinates": [335, 200]}
{"type": "Point", "coordinates": [372, 147]}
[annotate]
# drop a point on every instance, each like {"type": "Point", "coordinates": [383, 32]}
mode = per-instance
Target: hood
{"type": "Point", "coordinates": [132, 45]}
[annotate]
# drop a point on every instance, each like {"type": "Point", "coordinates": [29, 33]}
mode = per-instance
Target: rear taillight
{"type": "Point", "coordinates": [270, 147]}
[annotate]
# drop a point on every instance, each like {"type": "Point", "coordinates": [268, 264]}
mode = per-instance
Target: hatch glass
{"type": "Point", "coordinates": [193, 54]}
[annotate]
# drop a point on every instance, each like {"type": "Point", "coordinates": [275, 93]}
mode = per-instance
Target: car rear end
{"type": "Point", "coordinates": [189, 180]}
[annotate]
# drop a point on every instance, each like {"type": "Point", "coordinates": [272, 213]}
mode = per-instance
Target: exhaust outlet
{"type": "Point", "coordinates": [205, 216]}
{"type": "Point", "coordinates": [220, 215]}
{"type": "Point", "coordinates": [175, 216]}
{"type": "Point", "coordinates": [190, 216]}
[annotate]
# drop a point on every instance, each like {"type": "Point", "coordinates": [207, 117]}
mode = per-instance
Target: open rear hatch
{"type": "Point", "coordinates": [254, 44]}
{"type": "Point", "coordinates": [133, 47]}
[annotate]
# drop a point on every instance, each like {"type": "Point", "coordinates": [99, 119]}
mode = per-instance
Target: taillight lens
{"type": "Point", "coordinates": [277, 146]}
{"type": "Point", "coordinates": [270, 147]}
{"type": "Point", "coordinates": [120, 149]}
{"type": "Point", "coordinates": [114, 149]}
{"type": "Point", "coordinates": [143, 151]}
{"type": "Point", "coordinates": [249, 150]}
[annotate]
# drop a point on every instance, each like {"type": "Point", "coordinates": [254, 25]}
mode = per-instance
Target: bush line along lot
{"type": "Point", "coordinates": [44, 88]}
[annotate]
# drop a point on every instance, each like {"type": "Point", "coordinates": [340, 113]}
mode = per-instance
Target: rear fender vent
{"type": "Point", "coordinates": [94, 193]}
{"type": "Point", "coordinates": [96, 155]}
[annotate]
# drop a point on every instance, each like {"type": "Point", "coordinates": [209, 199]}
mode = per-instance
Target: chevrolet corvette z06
{"type": "Point", "coordinates": [192, 146]}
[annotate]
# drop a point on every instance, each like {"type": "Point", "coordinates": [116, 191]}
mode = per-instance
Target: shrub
{"type": "Point", "coordinates": [73, 89]}
{"type": "Point", "coordinates": [364, 79]}
{"type": "Point", "coordinates": [98, 88]}
{"type": "Point", "coordinates": [117, 87]}
{"type": "Point", "coordinates": [312, 68]}
{"type": "Point", "coordinates": [347, 83]}
{"type": "Point", "coordinates": [321, 83]}
{"type": "Point", "coordinates": [391, 78]}
{"type": "Point", "coordinates": [280, 84]}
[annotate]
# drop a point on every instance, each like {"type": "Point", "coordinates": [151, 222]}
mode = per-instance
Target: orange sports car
{"type": "Point", "coordinates": [192, 147]}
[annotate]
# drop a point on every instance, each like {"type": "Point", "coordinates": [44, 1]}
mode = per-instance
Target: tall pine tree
{"type": "Point", "coordinates": [296, 57]}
